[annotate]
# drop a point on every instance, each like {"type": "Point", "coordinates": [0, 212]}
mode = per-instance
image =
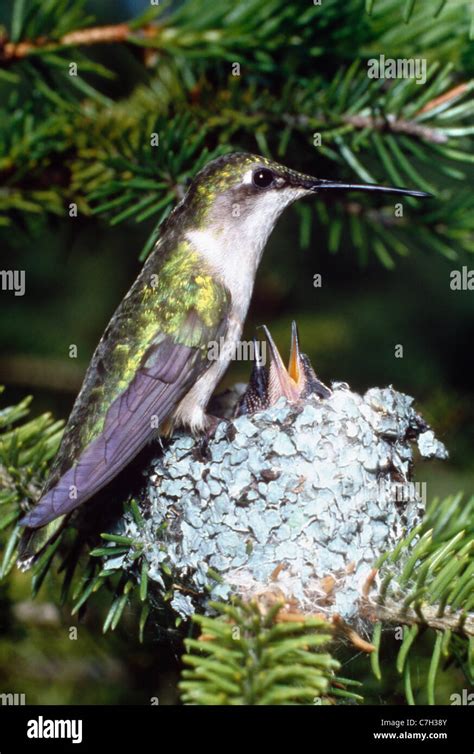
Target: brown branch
{"type": "Point", "coordinates": [407, 126]}
{"type": "Point", "coordinates": [97, 35]}
{"type": "Point", "coordinates": [116, 33]}
{"type": "Point", "coordinates": [390, 123]}
{"type": "Point", "coordinates": [392, 612]}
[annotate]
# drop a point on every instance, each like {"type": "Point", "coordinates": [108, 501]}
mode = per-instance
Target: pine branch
{"type": "Point", "coordinates": [428, 578]}
{"type": "Point", "coordinates": [447, 36]}
{"type": "Point", "coordinates": [25, 452]}
{"type": "Point", "coordinates": [100, 158]}
{"type": "Point", "coordinates": [435, 225]}
{"type": "Point", "coordinates": [220, 30]}
{"type": "Point", "coordinates": [246, 657]}
{"type": "Point", "coordinates": [427, 582]}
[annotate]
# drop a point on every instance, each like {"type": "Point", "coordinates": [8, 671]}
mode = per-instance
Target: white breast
{"type": "Point", "coordinates": [235, 264]}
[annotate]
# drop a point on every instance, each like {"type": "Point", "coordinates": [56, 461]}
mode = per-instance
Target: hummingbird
{"type": "Point", "coordinates": [150, 371]}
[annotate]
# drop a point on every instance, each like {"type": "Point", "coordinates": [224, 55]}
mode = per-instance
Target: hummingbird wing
{"type": "Point", "coordinates": [133, 385]}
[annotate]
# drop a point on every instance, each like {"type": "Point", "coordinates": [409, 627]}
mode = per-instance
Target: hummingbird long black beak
{"type": "Point", "coordinates": [323, 185]}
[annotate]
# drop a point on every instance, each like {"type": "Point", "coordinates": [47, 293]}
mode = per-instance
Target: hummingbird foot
{"type": "Point", "coordinates": [202, 449]}
{"type": "Point", "coordinates": [269, 382]}
{"type": "Point", "coordinates": [212, 422]}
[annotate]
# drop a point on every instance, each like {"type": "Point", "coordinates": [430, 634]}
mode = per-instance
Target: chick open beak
{"type": "Point", "coordinates": [282, 381]}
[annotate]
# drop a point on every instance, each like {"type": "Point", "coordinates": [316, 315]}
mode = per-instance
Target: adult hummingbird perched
{"type": "Point", "coordinates": [151, 370]}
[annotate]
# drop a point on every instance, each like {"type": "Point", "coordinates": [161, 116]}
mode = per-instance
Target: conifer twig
{"type": "Point", "coordinates": [110, 34]}
{"type": "Point", "coordinates": [427, 615]}
{"type": "Point", "coordinates": [396, 125]}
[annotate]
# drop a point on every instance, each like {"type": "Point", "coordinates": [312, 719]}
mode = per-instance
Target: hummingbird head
{"type": "Point", "coordinates": [244, 192]}
{"type": "Point", "coordinates": [242, 186]}
{"type": "Point", "coordinates": [235, 201]}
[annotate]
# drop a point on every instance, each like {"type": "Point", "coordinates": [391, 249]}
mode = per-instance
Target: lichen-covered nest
{"type": "Point", "coordinates": [298, 499]}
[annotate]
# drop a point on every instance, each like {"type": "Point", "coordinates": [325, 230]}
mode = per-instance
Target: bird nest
{"type": "Point", "coordinates": [293, 498]}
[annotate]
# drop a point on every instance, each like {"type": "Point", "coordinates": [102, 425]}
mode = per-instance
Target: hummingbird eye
{"type": "Point", "coordinates": [262, 178]}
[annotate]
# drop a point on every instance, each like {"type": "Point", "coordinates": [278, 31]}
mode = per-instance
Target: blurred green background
{"type": "Point", "coordinates": [76, 274]}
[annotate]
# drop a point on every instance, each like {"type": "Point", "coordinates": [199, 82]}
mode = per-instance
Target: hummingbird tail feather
{"type": "Point", "coordinates": [34, 541]}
